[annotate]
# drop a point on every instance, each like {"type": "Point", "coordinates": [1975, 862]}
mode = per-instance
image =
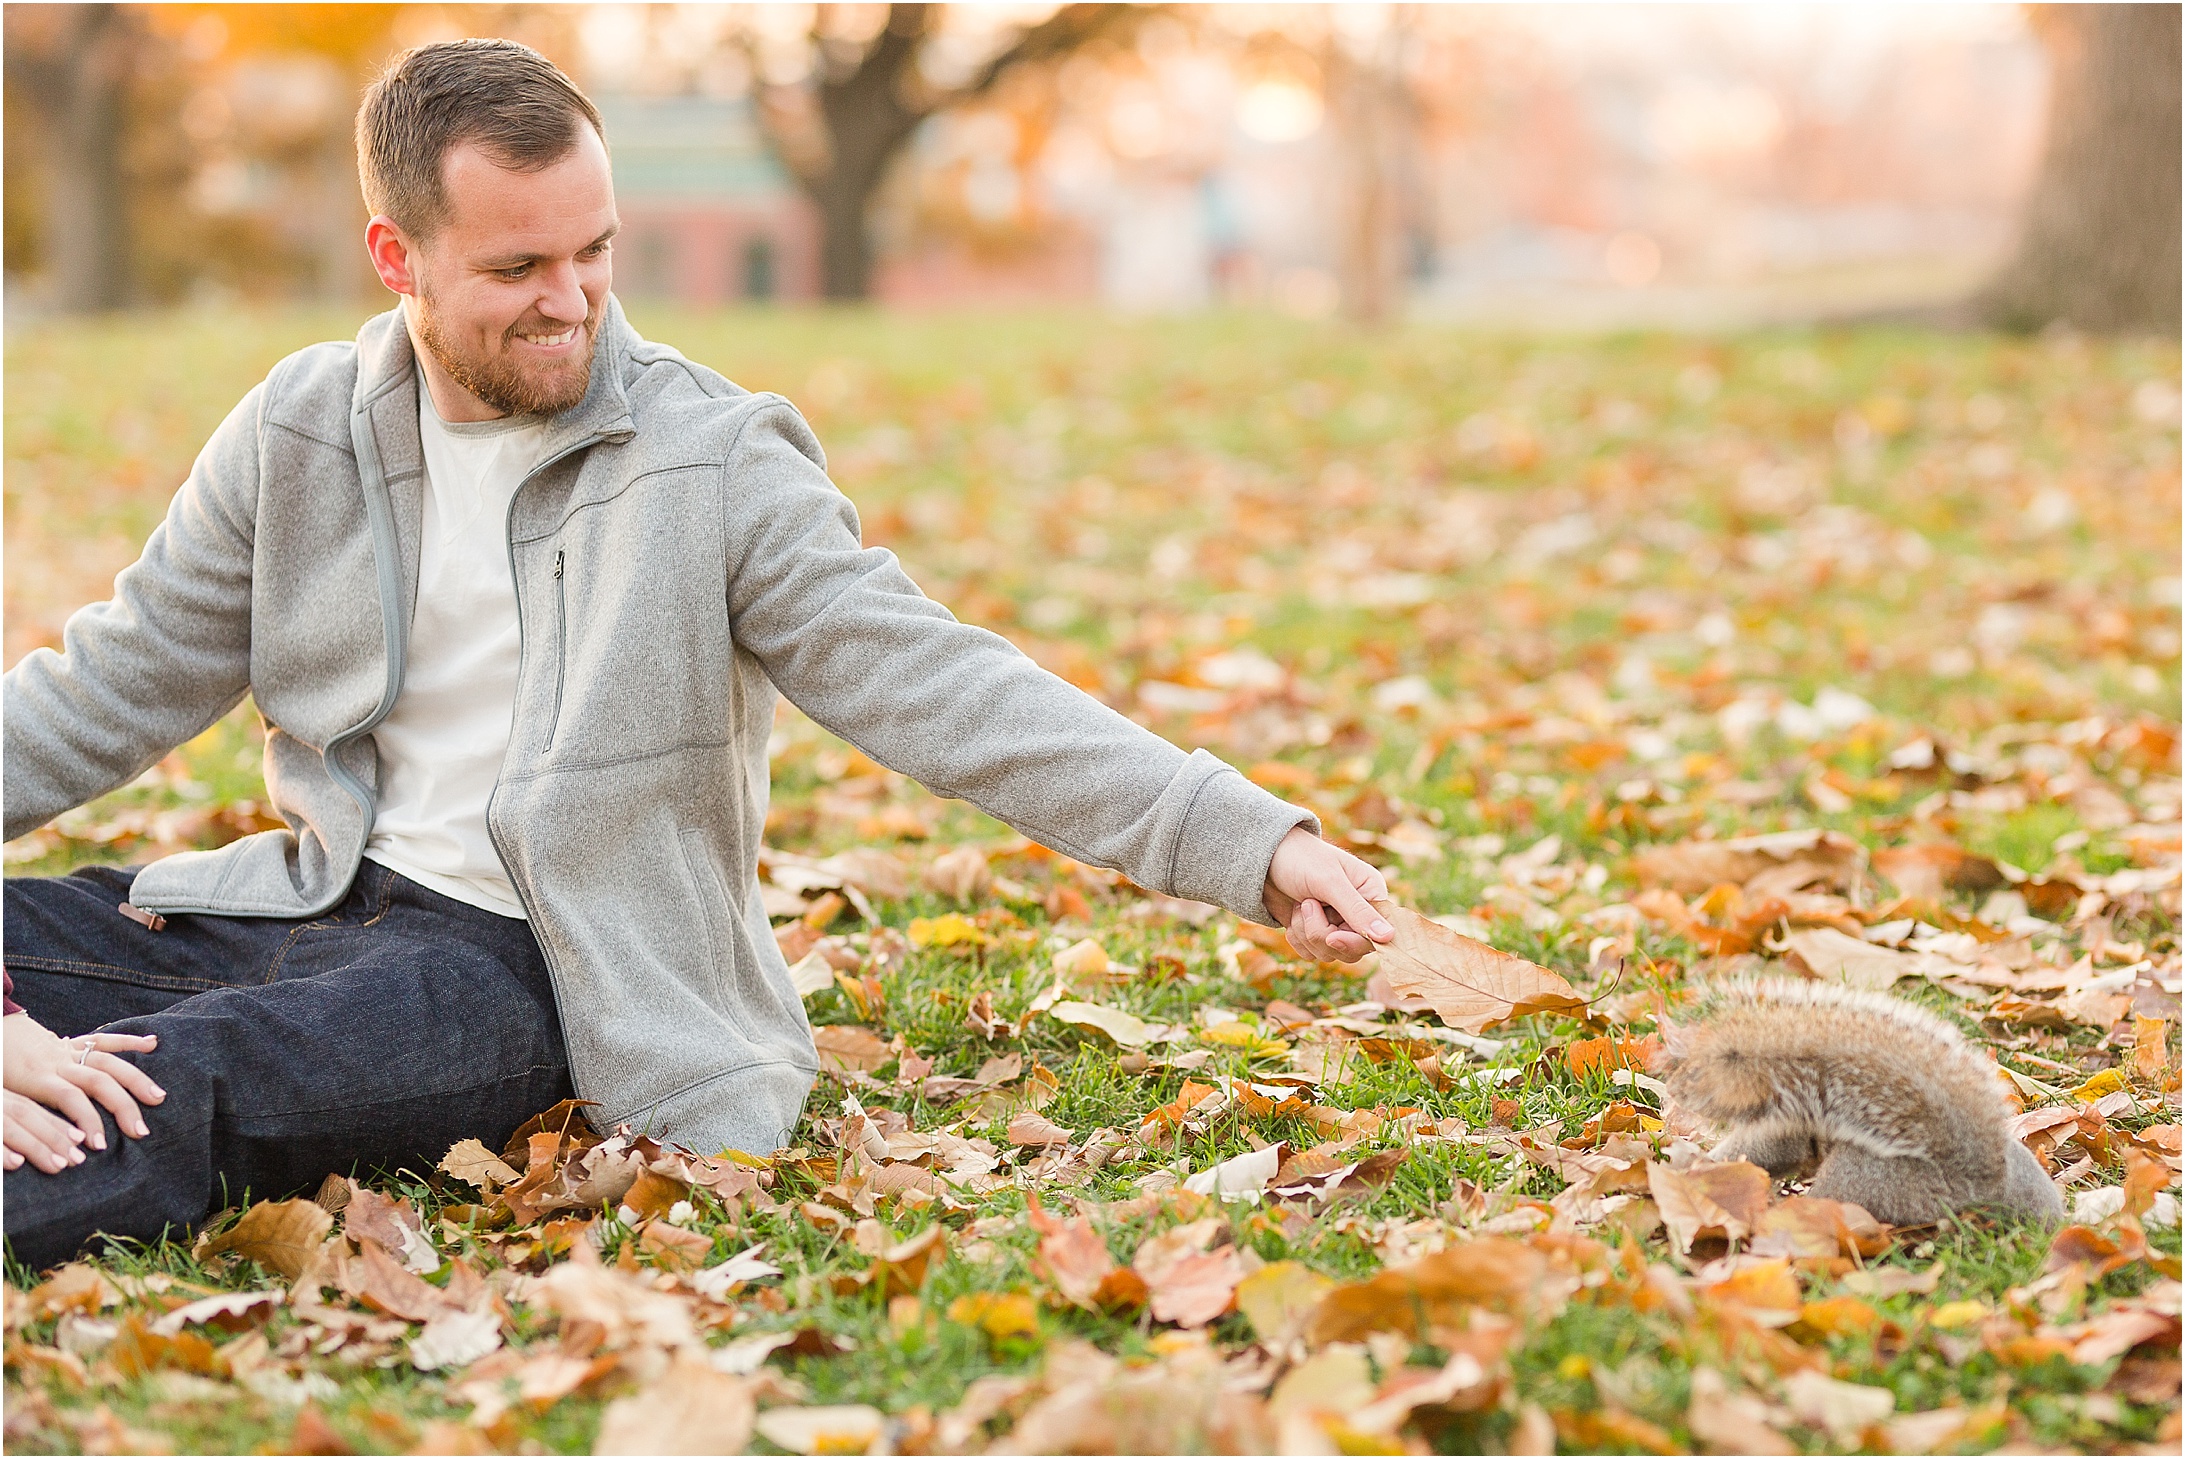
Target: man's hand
{"type": "Point", "coordinates": [1325, 896]}
{"type": "Point", "coordinates": [51, 1083]}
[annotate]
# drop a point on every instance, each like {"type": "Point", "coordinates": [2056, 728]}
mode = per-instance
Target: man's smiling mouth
{"type": "Point", "coordinates": [550, 341]}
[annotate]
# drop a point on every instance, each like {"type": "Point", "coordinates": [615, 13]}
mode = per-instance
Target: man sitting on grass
{"type": "Point", "coordinates": [514, 591]}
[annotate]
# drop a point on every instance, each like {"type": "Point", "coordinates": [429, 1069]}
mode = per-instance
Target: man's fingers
{"type": "Point", "coordinates": [1358, 913]}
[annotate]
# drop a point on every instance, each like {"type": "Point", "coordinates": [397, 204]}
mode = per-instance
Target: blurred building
{"type": "Point", "coordinates": [708, 216]}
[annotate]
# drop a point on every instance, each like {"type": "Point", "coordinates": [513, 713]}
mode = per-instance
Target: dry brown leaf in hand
{"type": "Point", "coordinates": [690, 1409]}
{"type": "Point", "coordinates": [1470, 985]}
{"type": "Point", "coordinates": [1725, 1197]}
{"type": "Point", "coordinates": [279, 1235]}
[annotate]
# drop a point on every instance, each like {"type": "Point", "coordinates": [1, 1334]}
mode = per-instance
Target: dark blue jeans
{"type": "Point", "coordinates": [375, 1036]}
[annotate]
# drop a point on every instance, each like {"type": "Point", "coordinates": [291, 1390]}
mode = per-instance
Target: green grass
{"type": "Point", "coordinates": [1976, 535]}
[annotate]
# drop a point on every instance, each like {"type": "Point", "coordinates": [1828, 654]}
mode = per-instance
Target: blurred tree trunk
{"type": "Point", "coordinates": [1374, 124]}
{"type": "Point", "coordinates": [77, 80]}
{"type": "Point", "coordinates": [2099, 246]}
{"type": "Point", "coordinates": [839, 140]}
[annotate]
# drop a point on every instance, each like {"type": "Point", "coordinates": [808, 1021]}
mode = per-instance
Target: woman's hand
{"type": "Point", "coordinates": [52, 1084]}
{"type": "Point", "coordinates": [1325, 896]}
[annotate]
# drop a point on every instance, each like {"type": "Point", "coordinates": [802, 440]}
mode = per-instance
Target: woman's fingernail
{"type": "Point", "coordinates": [75, 1157]}
{"type": "Point", "coordinates": [157, 1094]}
{"type": "Point", "coordinates": [139, 1129]}
{"type": "Point", "coordinates": [1382, 930]}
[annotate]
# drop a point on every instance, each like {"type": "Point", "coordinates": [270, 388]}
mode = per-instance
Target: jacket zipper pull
{"type": "Point", "coordinates": [557, 563]}
{"type": "Point", "coordinates": [143, 918]}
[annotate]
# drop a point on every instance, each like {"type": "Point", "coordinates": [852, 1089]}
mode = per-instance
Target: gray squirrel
{"type": "Point", "coordinates": [1876, 1101]}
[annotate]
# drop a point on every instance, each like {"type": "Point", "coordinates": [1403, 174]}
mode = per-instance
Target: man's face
{"type": "Point", "coordinates": [507, 292]}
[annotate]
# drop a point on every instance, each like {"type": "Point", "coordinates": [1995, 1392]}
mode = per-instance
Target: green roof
{"type": "Point", "coordinates": [689, 149]}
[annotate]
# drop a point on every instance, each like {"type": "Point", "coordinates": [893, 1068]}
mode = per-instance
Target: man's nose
{"type": "Point", "coordinates": [562, 298]}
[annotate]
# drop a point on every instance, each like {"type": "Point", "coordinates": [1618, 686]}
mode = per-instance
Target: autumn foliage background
{"type": "Point", "coordinates": [1844, 650]}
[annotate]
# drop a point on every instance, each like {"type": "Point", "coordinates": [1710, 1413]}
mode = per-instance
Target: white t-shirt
{"type": "Point", "coordinates": [440, 747]}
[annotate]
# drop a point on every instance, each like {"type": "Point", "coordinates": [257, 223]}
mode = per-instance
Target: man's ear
{"type": "Point", "coordinates": [393, 255]}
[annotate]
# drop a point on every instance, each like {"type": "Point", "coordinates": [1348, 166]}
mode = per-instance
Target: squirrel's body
{"type": "Point", "coordinates": [1881, 1103]}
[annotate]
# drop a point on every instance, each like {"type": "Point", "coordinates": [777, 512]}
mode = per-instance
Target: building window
{"type": "Point", "coordinates": [758, 268]}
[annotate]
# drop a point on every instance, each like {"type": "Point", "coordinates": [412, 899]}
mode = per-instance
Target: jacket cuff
{"type": "Point", "coordinates": [1229, 835]}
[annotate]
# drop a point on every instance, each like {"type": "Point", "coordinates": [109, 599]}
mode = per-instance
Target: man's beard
{"type": "Point", "coordinates": [503, 384]}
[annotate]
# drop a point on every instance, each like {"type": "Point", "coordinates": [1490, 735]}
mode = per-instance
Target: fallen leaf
{"type": "Point", "coordinates": [689, 1409]}
{"type": "Point", "coordinates": [1845, 1410]}
{"type": "Point", "coordinates": [1126, 1029]}
{"type": "Point", "coordinates": [1690, 868]}
{"type": "Point", "coordinates": [455, 1338]}
{"type": "Point", "coordinates": [1470, 985]}
{"type": "Point", "coordinates": [1000, 1314]}
{"type": "Point", "coordinates": [1439, 1291]}
{"type": "Point", "coordinates": [960, 874]}
{"type": "Point", "coordinates": [844, 1047]}
{"type": "Point", "coordinates": [1073, 1255]}
{"type": "Point", "coordinates": [1036, 1131]}
{"type": "Point", "coordinates": [1241, 1178]}
{"type": "Point", "coordinates": [1926, 871]}
{"type": "Point", "coordinates": [279, 1235]}
{"type": "Point", "coordinates": [227, 1311]}
{"type": "Point", "coordinates": [949, 930]}
{"type": "Point", "coordinates": [1828, 954]}
{"type": "Point", "coordinates": [473, 1164]}
{"type": "Point", "coordinates": [1724, 1197]}
{"type": "Point", "coordinates": [1731, 1423]}
{"type": "Point", "coordinates": [1279, 1300]}
{"type": "Point", "coordinates": [1195, 1289]}
{"type": "Point", "coordinates": [840, 1429]}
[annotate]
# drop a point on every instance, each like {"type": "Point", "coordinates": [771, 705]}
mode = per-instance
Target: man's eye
{"type": "Point", "coordinates": [514, 273]}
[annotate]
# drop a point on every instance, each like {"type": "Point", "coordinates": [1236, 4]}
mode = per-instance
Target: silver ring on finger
{"type": "Point", "coordinates": [84, 1047]}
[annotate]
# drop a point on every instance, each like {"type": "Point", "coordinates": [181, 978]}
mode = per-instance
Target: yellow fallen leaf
{"type": "Point", "coordinates": [2108, 1081]}
{"type": "Point", "coordinates": [950, 929]}
{"type": "Point", "coordinates": [1957, 1314]}
{"type": "Point", "coordinates": [1001, 1314]}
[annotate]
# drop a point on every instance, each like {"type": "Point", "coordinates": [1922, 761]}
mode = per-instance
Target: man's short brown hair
{"type": "Point", "coordinates": [506, 99]}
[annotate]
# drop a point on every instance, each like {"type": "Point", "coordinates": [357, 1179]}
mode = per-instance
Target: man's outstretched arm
{"type": "Point", "coordinates": [154, 665]}
{"type": "Point", "coordinates": [849, 639]}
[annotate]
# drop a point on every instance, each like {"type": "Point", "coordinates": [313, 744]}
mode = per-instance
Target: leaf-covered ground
{"type": "Point", "coordinates": [1548, 628]}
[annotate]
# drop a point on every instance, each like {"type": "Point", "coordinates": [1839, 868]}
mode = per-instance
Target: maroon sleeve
{"type": "Point", "coordinates": [7, 1001]}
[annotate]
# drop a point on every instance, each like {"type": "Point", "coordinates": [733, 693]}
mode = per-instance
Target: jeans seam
{"type": "Point", "coordinates": [115, 973]}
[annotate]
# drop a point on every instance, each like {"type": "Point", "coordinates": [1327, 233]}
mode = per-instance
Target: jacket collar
{"type": "Point", "coordinates": [386, 366]}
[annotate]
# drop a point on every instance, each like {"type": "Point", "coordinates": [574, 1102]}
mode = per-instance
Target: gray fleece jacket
{"type": "Point", "coordinates": [679, 555]}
